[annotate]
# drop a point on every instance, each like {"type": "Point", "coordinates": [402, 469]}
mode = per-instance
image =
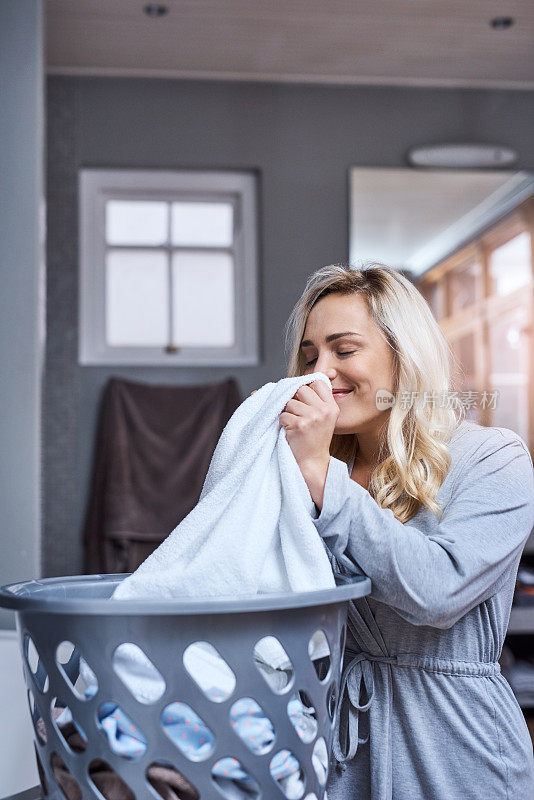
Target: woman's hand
{"type": "Point", "coordinates": [309, 419]}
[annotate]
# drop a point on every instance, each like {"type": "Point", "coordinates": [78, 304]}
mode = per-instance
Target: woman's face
{"type": "Point", "coordinates": [360, 362]}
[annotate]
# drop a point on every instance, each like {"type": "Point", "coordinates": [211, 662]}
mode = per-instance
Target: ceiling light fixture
{"type": "Point", "coordinates": [461, 156]}
{"type": "Point", "coordinates": [502, 23]}
{"type": "Point", "coordinates": [156, 10]}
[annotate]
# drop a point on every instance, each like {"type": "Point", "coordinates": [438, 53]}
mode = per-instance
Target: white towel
{"type": "Point", "coordinates": [252, 530]}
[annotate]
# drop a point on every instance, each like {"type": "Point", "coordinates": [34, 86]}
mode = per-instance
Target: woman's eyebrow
{"type": "Point", "coordinates": [308, 342]}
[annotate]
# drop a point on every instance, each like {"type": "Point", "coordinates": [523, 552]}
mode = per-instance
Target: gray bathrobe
{"type": "Point", "coordinates": [425, 712]}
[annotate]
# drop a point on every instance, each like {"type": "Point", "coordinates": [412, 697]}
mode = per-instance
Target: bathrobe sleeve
{"type": "Point", "coordinates": [436, 578]}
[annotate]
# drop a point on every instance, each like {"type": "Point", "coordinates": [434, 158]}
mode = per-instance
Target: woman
{"type": "Point", "coordinates": [436, 511]}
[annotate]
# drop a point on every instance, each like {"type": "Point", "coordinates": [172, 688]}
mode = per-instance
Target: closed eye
{"type": "Point", "coordinates": [339, 353]}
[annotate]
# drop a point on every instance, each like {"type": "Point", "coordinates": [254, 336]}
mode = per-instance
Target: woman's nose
{"type": "Point", "coordinates": [322, 366]}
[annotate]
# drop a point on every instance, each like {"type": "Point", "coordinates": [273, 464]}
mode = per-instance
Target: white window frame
{"type": "Point", "coordinates": [96, 187]}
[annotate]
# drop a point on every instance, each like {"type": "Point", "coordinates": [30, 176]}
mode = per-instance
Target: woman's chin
{"type": "Point", "coordinates": [345, 430]}
{"type": "Point", "coordinates": [346, 425]}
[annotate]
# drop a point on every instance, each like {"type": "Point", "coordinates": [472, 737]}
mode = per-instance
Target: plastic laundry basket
{"type": "Point", "coordinates": [69, 630]}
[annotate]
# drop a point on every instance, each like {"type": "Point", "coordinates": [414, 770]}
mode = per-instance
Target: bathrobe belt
{"type": "Point", "coordinates": [360, 673]}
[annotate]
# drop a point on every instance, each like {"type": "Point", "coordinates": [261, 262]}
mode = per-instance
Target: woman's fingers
{"type": "Point", "coordinates": [313, 394]}
{"type": "Point", "coordinates": [304, 397]}
{"type": "Point", "coordinates": [320, 388]}
{"type": "Point", "coordinates": [296, 407]}
{"type": "Point", "coordinates": [309, 418]}
{"type": "Point", "coordinates": [284, 419]}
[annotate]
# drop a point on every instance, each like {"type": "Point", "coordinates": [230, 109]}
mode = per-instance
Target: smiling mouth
{"type": "Point", "coordinates": [341, 394]}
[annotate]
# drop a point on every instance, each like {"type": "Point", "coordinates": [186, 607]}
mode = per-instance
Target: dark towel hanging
{"type": "Point", "coordinates": [154, 446]}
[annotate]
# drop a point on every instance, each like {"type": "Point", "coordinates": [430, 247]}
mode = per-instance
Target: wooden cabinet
{"type": "Point", "coordinates": [483, 298]}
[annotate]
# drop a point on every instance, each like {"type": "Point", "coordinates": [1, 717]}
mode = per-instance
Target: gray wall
{"type": "Point", "coordinates": [302, 139]}
{"type": "Point", "coordinates": [22, 282]}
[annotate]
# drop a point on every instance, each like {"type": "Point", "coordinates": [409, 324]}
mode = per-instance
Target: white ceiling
{"type": "Point", "coordinates": [390, 42]}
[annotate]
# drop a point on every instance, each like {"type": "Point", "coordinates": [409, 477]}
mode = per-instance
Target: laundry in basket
{"type": "Point", "coordinates": [70, 621]}
{"type": "Point", "coordinates": [209, 695]}
{"type": "Point", "coordinates": [251, 532]}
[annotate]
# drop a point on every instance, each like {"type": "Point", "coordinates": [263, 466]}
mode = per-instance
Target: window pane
{"type": "Point", "coordinates": [465, 379]}
{"type": "Point", "coordinates": [203, 299]}
{"type": "Point", "coordinates": [137, 306]}
{"type": "Point", "coordinates": [508, 342]}
{"type": "Point", "coordinates": [464, 350]}
{"type": "Point", "coordinates": [202, 224]}
{"type": "Point", "coordinates": [511, 410]}
{"type": "Point", "coordinates": [431, 292]}
{"type": "Point", "coordinates": [462, 286]}
{"type": "Point", "coordinates": [509, 355]}
{"type": "Point", "coordinates": [136, 222]}
{"type": "Point", "coordinates": [510, 266]}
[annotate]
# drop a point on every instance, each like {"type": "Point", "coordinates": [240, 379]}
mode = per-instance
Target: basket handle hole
{"type": "Point", "coordinates": [35, 663]}
{"type": "Point", "coordinates": [320, 760]}
{"type": "Point", "coordinates": [38, 721]}
{"type": "Point", "coordinates": [77, 673]}
{"type": "Point", "coordinates": [187, 731]}
{"type": "Point", "coordinates": [138, 673]}
{"type": "Point", "coordinates": [123, 736]}
{"type": "Point", "coordinates": [303, 716]}
{"type": "Point", "coordinates": [320, 654]}
{"type": "Point", "coordinates": [331, 700]}
{"type": "Point", "coordinates": [209, 671]}
{"type": "Point", "coordinates": [274, 664]}
{"type": "Point", "coordinates": [232, 780]}
{"type": "Point", "coordinates": [287, 773]}
{"type": "Point", "coordinates": [67, 727]}
{"type": "Point", "coordinates": [249, 721]}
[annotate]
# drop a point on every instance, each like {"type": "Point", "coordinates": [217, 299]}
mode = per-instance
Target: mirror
{"type": "Point", "coordinates": [412, 219]}
{"type": "Point", "coordinates": [465, 238]}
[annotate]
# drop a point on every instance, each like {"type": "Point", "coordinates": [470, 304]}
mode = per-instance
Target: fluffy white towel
{"type": "Point", "coordinates": [252, 530]}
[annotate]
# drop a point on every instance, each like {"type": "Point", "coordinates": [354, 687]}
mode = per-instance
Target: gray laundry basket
{"type": "Point", "coordinates": [71, 637]}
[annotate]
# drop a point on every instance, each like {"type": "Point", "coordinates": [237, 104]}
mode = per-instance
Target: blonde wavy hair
{"type": "Point", "coordinates": [413, 454]}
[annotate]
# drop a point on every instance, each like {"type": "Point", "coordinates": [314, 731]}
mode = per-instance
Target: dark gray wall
{"type": "Point", "coordinates": [302, 139]}
{"type": "Point", "coordinates": [22, 288]}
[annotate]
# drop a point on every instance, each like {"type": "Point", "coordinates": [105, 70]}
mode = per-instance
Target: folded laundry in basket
{"type": "Point", "coordinates": [168, 782]}
{"type": "Point", "coordinates": [253, 522]}
{"type": "Point", "coordinates": [190, 734]}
